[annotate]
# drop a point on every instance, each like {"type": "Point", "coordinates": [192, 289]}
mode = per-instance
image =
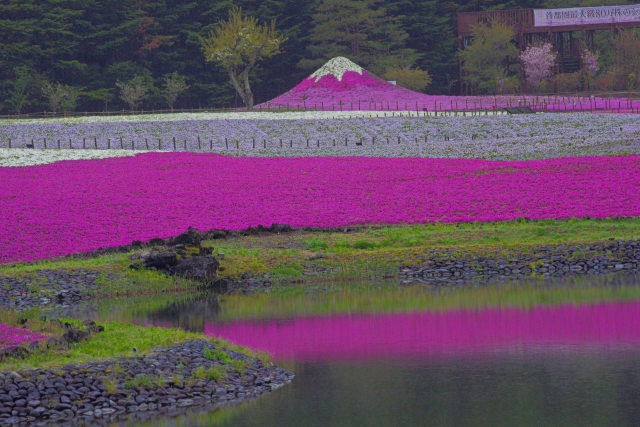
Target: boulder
{"type": "Point", "coordinates": [199, 268]}
{"type": "Point", "coordinates": [191, 237]}
{"type": "Point", "coordinates": [160, 260]}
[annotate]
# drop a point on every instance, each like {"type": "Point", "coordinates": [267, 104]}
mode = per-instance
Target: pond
{"type": "Point", "coordinates": [546, 365]}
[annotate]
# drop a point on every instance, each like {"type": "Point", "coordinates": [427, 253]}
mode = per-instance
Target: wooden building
{"type": "Point", "coordinates": [569, 29]}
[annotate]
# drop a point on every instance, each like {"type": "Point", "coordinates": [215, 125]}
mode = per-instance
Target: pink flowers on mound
{"type": "Point", "coordinates": [356, 91]}
{"type": "Point", "coordinates": [74, 206]}
{"type": "Point", "coordinates": [13, 337]}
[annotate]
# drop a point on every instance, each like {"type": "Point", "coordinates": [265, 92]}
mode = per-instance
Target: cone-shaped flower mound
{"type": "Point", "coordinates": [342, 85]}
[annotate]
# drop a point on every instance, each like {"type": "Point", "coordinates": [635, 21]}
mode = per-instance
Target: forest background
{"type": "Point", "coordinates": [90, 47]}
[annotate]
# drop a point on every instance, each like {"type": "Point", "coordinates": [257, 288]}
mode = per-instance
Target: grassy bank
{"type": "Point", "coordinates": [117, 339]}
{"type": "Point", "coordinates": [322, 255]}
{"type": "Point", "coordinates": [380, 251]}
{"type": "Point", "coordinates": [115, 277]}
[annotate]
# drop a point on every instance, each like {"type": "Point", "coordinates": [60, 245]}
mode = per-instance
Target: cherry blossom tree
{"type": "Point", "coordinates": [590, 62]}
{"type": "Point", "coordinates": [537, 61]}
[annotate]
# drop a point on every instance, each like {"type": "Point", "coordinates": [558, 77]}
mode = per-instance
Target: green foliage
{"type": "Point", "coordinates": [93, 44]}
{"type": "Point", "coordinates": [213, 372]}
{"type": "Point", "coordinates": [18, 96]}
{"type": "Point", "coordinates": [315, 244]}
{"type": "Point", "coordinates": [491, 57]}
{"type": "Point", "coordinates": [411, 78]}
{"type": "Point", "coordinates": [237, 44]}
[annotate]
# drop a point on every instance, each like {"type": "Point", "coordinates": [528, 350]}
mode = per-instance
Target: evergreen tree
{"type": "Point", "coordinates": [360, 30]}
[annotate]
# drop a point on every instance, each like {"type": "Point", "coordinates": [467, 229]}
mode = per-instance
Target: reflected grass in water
{"type": "Point", "coordinates": [364, 297]}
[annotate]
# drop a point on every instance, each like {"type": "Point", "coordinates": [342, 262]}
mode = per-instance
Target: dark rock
{"type": "Point", "coordinates": [160, 260]}
{"type": "Point", "coordinates": [190, 237]}
{"type": "Point", "coordinates": [200, 268]}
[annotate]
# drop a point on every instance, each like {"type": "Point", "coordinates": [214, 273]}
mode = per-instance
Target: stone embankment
{"type": "Point", "coordinates": [169, 381]}
{"type": "Point", "coordinates": [446, 267]}
{"type": "Point", "coordinates": [58, 288]}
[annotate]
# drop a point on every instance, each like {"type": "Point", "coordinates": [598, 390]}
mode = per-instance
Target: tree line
{"type": "Point", "coordinates": [94, 55]}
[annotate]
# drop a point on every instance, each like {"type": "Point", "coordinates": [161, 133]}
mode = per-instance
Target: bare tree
{"type": "Point", "coordinates": [133, 92]}
{"type": "Point", "coordinates": [174, 85]}
{"type": "Point", "coordinates": [61, 97]}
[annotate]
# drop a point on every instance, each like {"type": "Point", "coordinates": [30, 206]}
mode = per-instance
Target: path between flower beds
{"type": "Point", "coordinates": [75, 206]}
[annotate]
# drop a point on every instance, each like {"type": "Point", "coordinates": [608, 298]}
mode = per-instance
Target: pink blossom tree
{"type": "Point", "coordinates": [590, 62]}
{"type": "Point", "coordinates": [537, 61]}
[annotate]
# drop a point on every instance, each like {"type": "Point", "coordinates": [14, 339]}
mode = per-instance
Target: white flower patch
{"type": "Point", "coordinates": [234, 115]}
{"type": "Point", "coordinates": [29, 157]}
{"type": "Point", "coordinates": [337, 67]}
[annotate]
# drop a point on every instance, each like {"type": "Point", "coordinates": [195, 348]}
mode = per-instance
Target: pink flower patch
{"type": "Point", "coordinates": [75, 206]}
{"type": "Point", "coordinates": [14, 337]}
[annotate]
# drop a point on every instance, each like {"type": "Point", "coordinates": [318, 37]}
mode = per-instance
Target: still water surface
{"type": "Point", "coordinates": [559, 365]}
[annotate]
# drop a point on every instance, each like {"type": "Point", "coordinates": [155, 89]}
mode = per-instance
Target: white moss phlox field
{"type": "Point", "coordinates": [29, 157]}
{"type": "Point", "coordinates": [234, 115]}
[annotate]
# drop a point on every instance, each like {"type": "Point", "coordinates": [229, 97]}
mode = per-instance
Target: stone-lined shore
{"type": "Point", "coordinates": [167, 382]}
{"type": "Point", "coordinates": [447, 267]}
{"type": "Point", "coordinates": [63, 290]}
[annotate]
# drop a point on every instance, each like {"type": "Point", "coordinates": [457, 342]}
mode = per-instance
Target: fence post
{"type": "Point", "coordinates": [318, 143]}
{"type": "Point", "coordinates": [237, 144]}
{"type": "Point", "coordinates": [253, 143]}
{"type": "Point", "coordinates": [345, 141]}
{"type": "Point", "coordinates": [58, 144]}
{"type": "Point", "coordinates": [132, 145]}
{"type": "Point", "coordinates": [211, 145]}
{"type": "Point", "coordinates": [121, 144]}
{"type": "Point", "coordinates": [95, 142]}
{"type": "Point", "coordinates": [84, 145]}
{"type": "Point", "coordinates": [264, 143]}
{"type": "Point", "coordinates": [199, 147]}
{"type": "Point", "coordinates": [291, 143]}
{"type": "Point", "coordinates": [159, 144]}
{"type": "Point", "coordinates": [185, 142]}
{"type": "Point", "coordinates": [226, 143]}
{"type": "Point", "coordinates": [307, 142]}
{"type": "Point", "coordinates": [108, 143]}
{"type": "Point", "coordinates": [280, 142]}
{"type": "Point", "coordinates": [70, 146]}
{"type": "Point", "coordinates": [146, 144]}
{"type": "Point", "coordinates": [398, 139]}
{"type": "Point", "coordinates": [174, 143]}
{"type": "Point", "coordinates": [45, 142]}
{"type": "Point", "coordinates": [9, 142]}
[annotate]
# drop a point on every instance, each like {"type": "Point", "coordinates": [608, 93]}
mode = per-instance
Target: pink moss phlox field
{"type": "Point", "coordinates": [74, 206]}
{"type": "Point", "coordinates": [459, 332]}
{"type": "Point", "coordinates": [13, 337]}
{"type": "Point", "coordinates": [367, 92]}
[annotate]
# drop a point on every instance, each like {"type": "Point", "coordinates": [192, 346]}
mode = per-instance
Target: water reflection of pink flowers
{"type": "Point", "coordinates": [74, 206]}
{"type": "Point", "coordinates": [603, 326]}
